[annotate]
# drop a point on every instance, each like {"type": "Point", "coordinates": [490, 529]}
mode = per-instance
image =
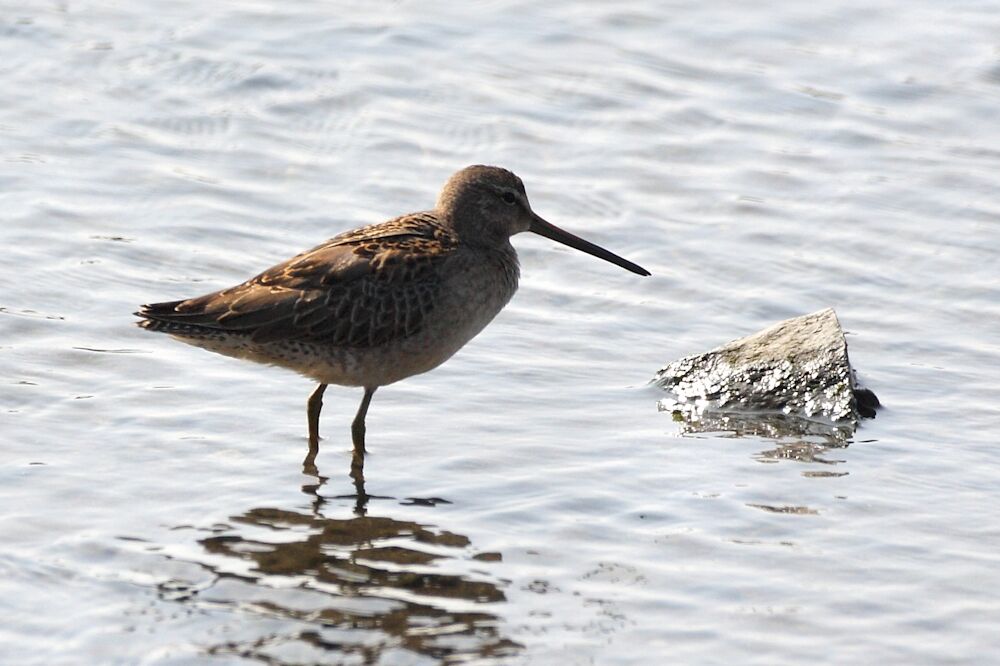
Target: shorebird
{"type": "Point", "coordinates": [380, 303]}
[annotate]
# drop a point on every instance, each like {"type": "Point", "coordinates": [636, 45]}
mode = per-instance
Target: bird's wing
{"type": "Point", "coordinates": [362, 288]}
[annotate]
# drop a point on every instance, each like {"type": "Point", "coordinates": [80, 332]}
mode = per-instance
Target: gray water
{"type": "Point", "coordinates": [528, 502]}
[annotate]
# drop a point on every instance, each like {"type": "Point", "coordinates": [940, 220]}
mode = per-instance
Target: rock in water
{"type": "Point", "coordinates": [798, 367]}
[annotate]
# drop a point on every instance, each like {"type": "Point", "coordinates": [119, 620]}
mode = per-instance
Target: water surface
{"type": "Point", "coordinates": [527, 503]}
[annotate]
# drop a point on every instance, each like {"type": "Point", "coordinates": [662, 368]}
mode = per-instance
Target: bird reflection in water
{"type": "Point", "coordinates": [358, 588]}
{"type": "Point", "coordinates": [360, 497]}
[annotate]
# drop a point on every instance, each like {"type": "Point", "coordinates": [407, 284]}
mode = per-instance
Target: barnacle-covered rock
{"type": "Point", "coordinates": [798, 367]}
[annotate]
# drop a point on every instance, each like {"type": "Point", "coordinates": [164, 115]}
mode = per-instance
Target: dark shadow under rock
{"type": "Point", "coordinates": [798, 368]}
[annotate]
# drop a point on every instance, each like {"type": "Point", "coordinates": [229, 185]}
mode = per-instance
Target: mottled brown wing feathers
{"type": "Point", "coordinates": [363, 288]}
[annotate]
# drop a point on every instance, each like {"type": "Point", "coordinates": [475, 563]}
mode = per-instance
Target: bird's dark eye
{"type": "Point", "coordinates": [509, 197]}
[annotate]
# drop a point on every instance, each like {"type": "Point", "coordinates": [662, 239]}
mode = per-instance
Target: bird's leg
{"type": "Point", "coordinates": [358, 426]}
{"type": "Point", "coordinates": [314, 406]}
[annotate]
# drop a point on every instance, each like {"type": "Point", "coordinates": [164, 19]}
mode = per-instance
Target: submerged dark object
{"type": "Point", "coordinates": [798, 367]}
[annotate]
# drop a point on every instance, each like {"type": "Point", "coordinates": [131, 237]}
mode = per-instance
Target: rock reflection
{"type": "Point", "coordinates": [795, 438]}
{"type": "Point", "coordinates": [794, 510]}
{"type": "Point", "coordinates": [357, 590]}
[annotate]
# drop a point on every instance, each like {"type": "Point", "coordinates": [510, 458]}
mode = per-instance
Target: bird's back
{"type": "Point", "coordinates": [362, 288]}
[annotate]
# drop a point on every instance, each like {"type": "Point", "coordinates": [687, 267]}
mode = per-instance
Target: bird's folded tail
{"type": "Point", "coordinates": [165, 318]}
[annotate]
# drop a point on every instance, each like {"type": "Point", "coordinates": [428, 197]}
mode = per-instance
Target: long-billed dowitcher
{"type": "Point", "coordinates": [377, 304]}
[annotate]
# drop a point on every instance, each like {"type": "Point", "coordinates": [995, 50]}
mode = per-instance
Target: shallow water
{"type": "Point", "coordinates": [528, 502]}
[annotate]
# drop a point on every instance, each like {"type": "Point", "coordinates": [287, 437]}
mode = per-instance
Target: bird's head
{"type": "Point", "coordinates": [486, 205]}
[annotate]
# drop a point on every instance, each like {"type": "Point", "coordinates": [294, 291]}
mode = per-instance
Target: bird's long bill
{"type": "Point", "coordinates": [543, 228]}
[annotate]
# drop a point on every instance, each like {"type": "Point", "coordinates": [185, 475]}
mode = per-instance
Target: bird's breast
{"type": "Point", "coordinates": [478, 286]}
